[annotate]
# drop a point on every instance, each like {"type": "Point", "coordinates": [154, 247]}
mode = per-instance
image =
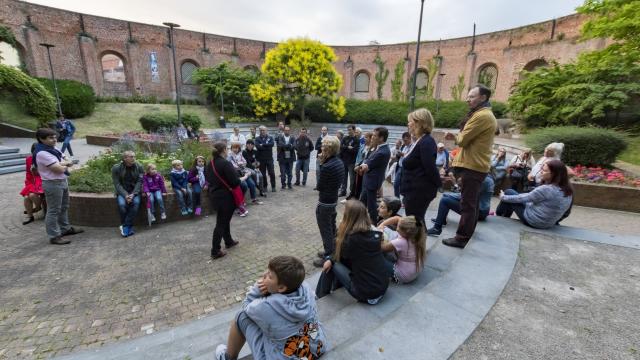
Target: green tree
{"type": "Point", "coordinates": [381, 75]}
{"type": "Point", "coordinates": [396, 83]}
{"type": "Point", "coordinates": [293, 70]}
{"type": "Point", "coordinates": [601, 87]}
{"type": "Point", "coordinates": [458, 89]}
{"type": "Point", "coordinates": [230, 81]}
{"type": "Point", "coordinates": [433, 67]}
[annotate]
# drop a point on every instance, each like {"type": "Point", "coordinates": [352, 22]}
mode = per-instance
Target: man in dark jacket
{"type": "Point", "coordinates": [286, 156]}
{"type": "Point", "coordinates": [304, 147]}
{"type": "Point", "coordinates": [331, 175]}
{"type": "Point", "coordinates": [264, 145]}
{"type": "Point", "coordinates": [349, 147]}
{"type": "Point", "coordinates": [373, 171]}
{"type": "Point", "coordinates": [127, 181]}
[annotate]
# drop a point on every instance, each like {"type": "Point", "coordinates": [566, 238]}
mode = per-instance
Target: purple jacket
{"type": "Point", "coordinates": [193, 177]}
{"type": "Point", "coordinates": [153, 183]}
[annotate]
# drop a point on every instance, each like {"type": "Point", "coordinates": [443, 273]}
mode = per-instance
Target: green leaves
{"type": "Point", "coordinates": [231, 83]}
{"type": "Point", "coordinates": [31, 95]}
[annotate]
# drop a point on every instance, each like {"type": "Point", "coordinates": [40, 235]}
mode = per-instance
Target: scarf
{"type": "Point", "coordinates": [201, 175]}
{"type": "Point", "coordinates": [462, 123]}
{"type": "Point", "coordinates": [51, 150]}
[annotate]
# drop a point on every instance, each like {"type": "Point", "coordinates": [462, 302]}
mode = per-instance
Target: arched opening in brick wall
{"type": "Point", "coordinates": [422, 80]}
{"type": "Point", "coordinates": [114, 74]}
{"type": "Point", "coordinates": [11, 56]}
{"type": "Point", "coordinates": [488, 75]}
{"type": "Point", "coordinates": [532, 65]}
{"type": "Point", "coordinates": [189, 89]}
{"type": "Point", "coordinates": [362, 82]}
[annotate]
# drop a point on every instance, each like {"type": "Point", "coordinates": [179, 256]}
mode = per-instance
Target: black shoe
{"type": "Point", "coordinates": [58, 240]}
{"type": "Point", "coordinates": [315, 188]}
{"type": "Point", "coordinates": [453, 242]}
{"type": "Point", "coordinates": [321, 254]}
{"type": "Point", "coordinates": [29, 221]}
{"type": "Point", "coordinates": [318, 263]}
{"type": "Point", "coordinates": [304, 184]}
{"type": "Point", "coordinates": [219, 254]}
{"type": "Point", "coordinates": [231, 245]}
{"type": "Point", "coordinates": [433, 220]}
{"type": "Point", "coordinates": [283, 187]}
{"type": "Point", "coordinates": [263, 194]}
{"type": "Point", "coordinates": [434, 231]}
{"type": "Point", "coordinates": [296, 183]}
{"type": "Point", "coordinates": [289, 186]}
{"type": "Point", "coordinates": [72, 231]}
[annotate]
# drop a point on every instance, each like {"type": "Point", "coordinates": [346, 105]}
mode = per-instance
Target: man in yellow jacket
{"type": "Point", "coordinates": [472, 163]}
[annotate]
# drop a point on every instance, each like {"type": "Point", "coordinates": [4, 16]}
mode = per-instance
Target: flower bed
{"type": "Point", "coordinates": [599, 175]}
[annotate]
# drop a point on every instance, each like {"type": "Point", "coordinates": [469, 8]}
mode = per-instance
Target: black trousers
{"type": "Point", "coordinates": [224, 206]}
{"type": "Point", "coordinates": [266, 166]}
{"type": "Point", "coordinates": [471, 182]}
{"type": "Point", "coordinates": [326, 218]}
{"type": "Point", "coordinates": [416, 203]}
{"type": "Point", "coordinates": [370, 199]}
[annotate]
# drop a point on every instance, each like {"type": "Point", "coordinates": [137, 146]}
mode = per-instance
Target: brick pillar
{"type": "Point", "coordinates": [470, 72]}
{"type": "Point", "coordinates": [37, 54]}
{"type": "Point", "coordinates": [133, 76]}
{"type": "Point", "coordinates": [348, 78]}
{"type": "Point", "coordinates": [172, 83]}
{"type": "Point", "coordinates": [92, 65]}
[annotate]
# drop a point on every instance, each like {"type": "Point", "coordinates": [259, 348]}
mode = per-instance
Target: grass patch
{"type": "Point", "coordinates": [11, 113]}
{"type": "Point", "coordinates": [632, 154]}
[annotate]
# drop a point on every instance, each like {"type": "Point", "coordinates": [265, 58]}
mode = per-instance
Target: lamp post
{"type": "Point", "coordinates": [53, 77]}
{"type": "Point", "coordinates": [415, 67]}
{"type": "Point", "coordinates": [222, 122]}
{"type": "Point", "coordinates": [175, 67]}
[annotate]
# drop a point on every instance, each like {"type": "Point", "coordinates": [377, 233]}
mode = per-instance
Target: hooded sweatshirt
{"type": "Point", "coordinates": [179, 179]}
{"type": "Point", "coordinates": [289, 324]}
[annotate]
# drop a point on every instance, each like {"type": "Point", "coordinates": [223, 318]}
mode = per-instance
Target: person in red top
{"type": "Point", "coordinates": [32, 191]}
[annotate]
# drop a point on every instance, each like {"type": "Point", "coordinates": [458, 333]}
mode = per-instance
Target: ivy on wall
{"type": "Point", "coordinates": [381, 75]}
{"type": "Point", "coordinates": [396, 83]}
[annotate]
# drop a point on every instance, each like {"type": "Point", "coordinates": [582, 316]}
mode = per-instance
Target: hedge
{"type": "Point", "coordinates": [30, 94]}
{"type": "Point", "coordinates": [386, 112]}
{"type": "Point", "coordinates": [582, 145]}
{"type": "Point", "coordinates": [76, 99]}
{"type": "Point", "coordinates": [154, 122]}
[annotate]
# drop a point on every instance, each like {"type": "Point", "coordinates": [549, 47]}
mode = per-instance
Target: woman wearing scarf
{"type": "Point", "coordinates": [198, 183]}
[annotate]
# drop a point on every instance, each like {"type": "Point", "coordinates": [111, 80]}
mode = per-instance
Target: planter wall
{"type": "Point", "coordinates": [106, 140]}
{"type": "Point", "coordinates": [607, 196]}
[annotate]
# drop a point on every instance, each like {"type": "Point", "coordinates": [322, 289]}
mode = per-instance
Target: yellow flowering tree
{"type": "Point", "coordinates": [293, 70]}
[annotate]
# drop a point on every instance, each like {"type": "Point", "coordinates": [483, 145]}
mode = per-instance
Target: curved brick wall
{"type": "Point", "coordinates": [81, 41]}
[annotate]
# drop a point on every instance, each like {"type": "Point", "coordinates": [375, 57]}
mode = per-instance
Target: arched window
{"type": "Point", "coordinates": [488, 75]}
{"type": "Point", "coordinates": [113, 68]}
{"type": "Point", "coordinates": [362, 82]}
{"type": "Point", "coordinates": [532, 65]}
{"type": "Point", "coordinates": [186, 71]}
{"type": "Point", "coordinates": [9, 55]}
{"type": "Point", "coordinates": [422, 79]}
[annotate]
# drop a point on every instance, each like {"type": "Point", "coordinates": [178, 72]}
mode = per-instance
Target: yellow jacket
{"type": "Point", "coordinates": [476, 141]}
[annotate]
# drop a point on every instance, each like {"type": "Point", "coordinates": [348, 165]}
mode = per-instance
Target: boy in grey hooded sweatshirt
{"type": "Point", "coordinates": [279, 317]}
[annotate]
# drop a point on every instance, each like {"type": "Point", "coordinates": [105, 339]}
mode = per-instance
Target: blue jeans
{"type": "Point", "coordinates": [249, 184]}
{"type": "Point", "coordinates": [506, 209]}
{"type": "Point", "coordinates": [302, 164]}
{"type": "Point", "coordinates": [66, 145]}
{"type": "Point", "coordinates": [156, 198]}
{"type": "Point", "coordinates": [129, 211]}
{"type": "Point", "coordinates": [184, 200]}
{"type": "Point", "coordinates": [451, 201]}
{"type": "Point", "coordinates": [197, 194]}
{"type": "Point", "coordinates": [286, 167]}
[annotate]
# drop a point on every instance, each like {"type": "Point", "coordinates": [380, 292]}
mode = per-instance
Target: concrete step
{"type": "Point", "coordinates": [11, 162]}
{"type": "Point", "coordinates": [10, 156]}
{"type": "Point", "coordinates": [7, 150]}
{"type": "Point", "coordinates": [11, 169]}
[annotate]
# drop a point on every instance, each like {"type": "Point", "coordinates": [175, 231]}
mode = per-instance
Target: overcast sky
{"type": "Point", "coordinates": [334, 22]}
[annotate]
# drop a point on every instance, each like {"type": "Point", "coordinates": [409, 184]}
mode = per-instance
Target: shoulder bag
{"type": "Point", "coordinates": [238, 195]}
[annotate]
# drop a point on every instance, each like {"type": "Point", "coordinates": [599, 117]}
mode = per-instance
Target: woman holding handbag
{"type": "Point", "coordinates": [224, 194]}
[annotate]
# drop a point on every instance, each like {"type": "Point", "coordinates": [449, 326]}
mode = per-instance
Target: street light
{"type": "Point", "coordinates": [53, 77]}
{"type": "Point", "coordinates": [415, 68]}
{"type": "Point", "coordinates": [222, 122]}
{"type": "Point", "coordinates": [175, 68]}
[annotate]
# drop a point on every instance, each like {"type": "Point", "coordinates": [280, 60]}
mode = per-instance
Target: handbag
{"type": "Point", "coordinates": [238, 195]}
{"type": "Point", "coordinates": [517, 173]}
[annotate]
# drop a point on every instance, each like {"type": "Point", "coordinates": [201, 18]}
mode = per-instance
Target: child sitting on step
{"type": "Point", "coordinates": [410, 246]}
{"type": "Point", "coordinates": [357, 264]}
{"type": "Point", "coordinates": [198, 183]}
{"type": "Point", "coordinates": [388, 216]}
{"type": "Point", "coordinates": [279, 317]}
{"type": "Point", "coordinates": [153, 187]}
{"type": "Point", "coordinates": [180, 185]}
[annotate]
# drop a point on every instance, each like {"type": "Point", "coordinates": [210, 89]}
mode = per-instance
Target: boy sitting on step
{"type": "Point", "coordinates": [279, 317]}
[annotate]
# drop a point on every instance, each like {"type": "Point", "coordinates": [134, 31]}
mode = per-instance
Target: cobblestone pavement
{"type": "Point", "coordinates": [102, 288]}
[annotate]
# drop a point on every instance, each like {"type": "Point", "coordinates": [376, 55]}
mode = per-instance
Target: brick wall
{"type": "Point", "coordinates": [82, 40]}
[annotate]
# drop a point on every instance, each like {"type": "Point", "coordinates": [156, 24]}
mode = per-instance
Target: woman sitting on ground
{"type": "Point", "coordinates": [358, 263]}
{"type": "Point", "coordinates": [388, 216]}
{"type": "Point", "coordinates": [547, 204]}
{"type": "Point", "coordinates": [553, 151]}
{"type": "Point", "coordinates": [499, 166]}
{"type": "Point", "coordinates": [411, 247]}
{"type": "Point", "coordinates": [32, 191]}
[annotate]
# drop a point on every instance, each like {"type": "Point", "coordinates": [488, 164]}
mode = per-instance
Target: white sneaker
{"type": "Point", "coordinates": [245, 213]}
{"type": "Point", "coordinates": [152, 218]}
{"type": "Point", "coordinates": [343, 201]}
{"type": "Point", "coordinates": [221, 352]}
{"type": "Point", "coordinates": [163, 216]}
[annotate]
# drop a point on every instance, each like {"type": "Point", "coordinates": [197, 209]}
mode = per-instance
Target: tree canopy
{"type": "Point", "coordinates": [231, 82]}
{"type": "Point", "coordinates": [294, 70]}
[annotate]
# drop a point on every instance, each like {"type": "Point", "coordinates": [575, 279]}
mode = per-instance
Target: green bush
{"type": "Point", "coordinates": [76, 99]}
{"type": "Point", "coordinates": [385, 112]}
{"type": "Point", "coordinates": [499, 109]}
{"type": "Point", "coordinates": [31, 95]}
{"type": "Point", "coordinates": [88, 179]}
{"type": "Point", "coordinates": [145, 99]}
{"type": "Point", "coordinates": [582, 145]}
{"type": "Point", "coordinates": [155, 122]}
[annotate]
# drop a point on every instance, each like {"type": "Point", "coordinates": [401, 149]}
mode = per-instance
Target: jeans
{"type": "Point", "coordinates": [451, 201]}
{"type": "Point", "coordinates": [302, 164]}
{"type": "Point", "coordinates": [266, 166]}
{"type": "Point", "coordinates": [369, 199]}
{"type": "Point", "coordinates": [66, 145]}
{"type": "Point", "coordinates": [334, 279]}
{"type": "Point", "coordinates": [156, 198]}
{"type": "Point", "coordinates": [196, 192]}
{"type": "Point", "coordinates": [184, 200]}
{"type": "Point", "coordinates": [396, 181]}
{"type": "Point", "coordinates": [349, 171]}
{"type": "Point", "coordinates": [471, 184]}
{"type": "Point", "coordinates": [129, 211]}
{"type": "Point", "coordinates": [326, 219]}
{"type": "Point", "coordinates": [56, 193]}
{"type": "Point", "coordinates": [286, 175]}
{"type": "Point", "coordinates": [249, 184]}
{"type": "Point", "coordinates": [506, 209]}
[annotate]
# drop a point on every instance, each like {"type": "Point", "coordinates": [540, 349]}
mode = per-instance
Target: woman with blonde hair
{"type": "Point", "coordinates": [420, 176]}
{"type": "Point", "coordinates": [519, 168]}
{"type": "Point", "coordinates": [411, 248]}
{"type": "Point", "coordinates": [358, 263]}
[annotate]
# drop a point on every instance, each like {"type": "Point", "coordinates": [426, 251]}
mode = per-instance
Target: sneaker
{"type": "Point", "coordinates": [151, 217]}
{"type": "Point", "coordinates": [58, 240]}
{"type": "Point", "coordinates": [434, 231]}
{"type": "Point", "coordinates": [245, 213]}
{"type": "Point", "coordinates": [130, 231]}
{"type": "Point", "coordinates": [296, 183]}
{"type": "Point", "coordinates": [163, 216]}
{"type": "Point", "coordinates": [198, 211]}
{"type": "Point", "coordinates": [257, 202]}
{"type": "Point", "coordinates": [221, 352]}
{"type": "Point", "coordinates": [289, 186]}
{"type": "Point", "coordinates": [374, 301]}
{"type": "Point", "coordinates": [184, 212]}
{"type": "Point", "coordinates": [343, 201]}
{"type": "Point", "coordinates": [122, 231]}
{"type": "Point", "coordinates": [190, 210]}
{"type": "Point", "coordinates": [433, 220]}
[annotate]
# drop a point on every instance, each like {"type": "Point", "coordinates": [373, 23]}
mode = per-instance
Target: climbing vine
{"type": "Point", "coordinates": [457, 89]}
{"type": "Point", "coordinates": [396, 83]}
{"type": "Point", "coordinates": [381, 75]}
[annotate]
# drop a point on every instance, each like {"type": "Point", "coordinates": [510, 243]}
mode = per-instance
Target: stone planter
{"type": "Point", "coordinates": [108, 140]}
{"type": "Point", "coordinates": [604, 196]}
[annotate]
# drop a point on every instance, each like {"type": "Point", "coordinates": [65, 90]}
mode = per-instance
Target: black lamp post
{"type": "Point", "coordinates": [222, 122]}
{"type": "Point", "coordinates": [415, 67]}
{"type": "Point", "coordinates": [53, 77]}
{"type": "Point", "coordinates": [175, 67]}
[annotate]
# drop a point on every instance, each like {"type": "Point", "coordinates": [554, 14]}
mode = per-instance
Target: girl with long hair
{"type": "Point", "coordinates": [410, 246]}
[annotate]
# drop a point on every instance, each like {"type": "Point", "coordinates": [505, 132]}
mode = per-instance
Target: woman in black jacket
{"type": "Point", "coordinates": [420, 176]}
{"type": "Point", "coordinates": [221, 181]}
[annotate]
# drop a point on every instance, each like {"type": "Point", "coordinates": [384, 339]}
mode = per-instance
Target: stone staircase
{"type": "Point", "coordinates": [11, 160]}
